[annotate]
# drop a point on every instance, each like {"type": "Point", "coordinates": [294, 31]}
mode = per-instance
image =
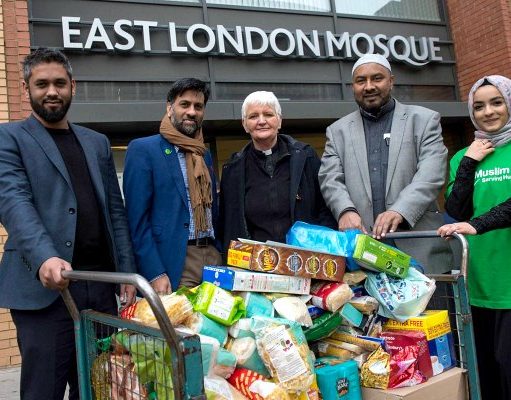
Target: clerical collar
{"type": "Point", "coordinates": [265, 153]}
{"type": "Point", "coordinates": [385, 109]}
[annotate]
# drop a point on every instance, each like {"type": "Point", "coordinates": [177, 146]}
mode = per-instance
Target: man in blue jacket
{"type": "Point", "coordinates": [170, 193]}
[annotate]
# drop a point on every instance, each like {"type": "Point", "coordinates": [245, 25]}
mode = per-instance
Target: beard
{"type": "Point", "coordinates": [187, 130]}
{"type": "Point", "coordinates": [371, 107]}
{"type": "Point", "coordinates": [49, 115]}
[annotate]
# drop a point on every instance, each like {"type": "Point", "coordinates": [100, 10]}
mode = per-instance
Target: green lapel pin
{"type": "Point", "coordinates": [168, 151]}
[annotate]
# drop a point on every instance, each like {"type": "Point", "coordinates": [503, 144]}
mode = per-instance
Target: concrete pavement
{"type": "Point", "coordinates": [10, 383]}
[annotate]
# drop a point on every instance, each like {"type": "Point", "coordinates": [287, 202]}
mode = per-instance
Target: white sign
{"type": "Point", "coordinates": [250, 41]}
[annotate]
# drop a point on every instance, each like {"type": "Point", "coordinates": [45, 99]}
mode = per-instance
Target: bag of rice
{"type": "Point", "coordinates": [293, 309]}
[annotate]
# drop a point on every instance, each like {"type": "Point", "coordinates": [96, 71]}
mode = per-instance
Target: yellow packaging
{"type": "Point", "coordinates": [310, 394]}
{"type": "Point", "coordinates": [434, 323]}
{"type": "Point", "coordinates": [329, 347]}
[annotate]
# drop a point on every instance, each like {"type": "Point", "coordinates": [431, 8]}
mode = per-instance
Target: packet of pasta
{"type": "Point", "coordinates": [375, 372]}
{"type": "Point", "coordinates": [284, 350]}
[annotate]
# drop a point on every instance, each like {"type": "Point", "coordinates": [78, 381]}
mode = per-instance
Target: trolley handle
{"type": "Point", "coordinates": [154, 301]}
{"type": "Point", "coordinates": [434, 234]}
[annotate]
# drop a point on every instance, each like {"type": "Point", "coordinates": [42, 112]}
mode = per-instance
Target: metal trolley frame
{"type": "Point", "coordinates": [186, 361]}
{"type": "Point", "coordinates": [452, 294]}
{"type": "Point", "coordinates": [182, 360]}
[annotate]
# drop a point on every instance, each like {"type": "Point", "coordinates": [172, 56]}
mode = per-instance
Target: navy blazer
{"type": "Point", "coordinates": [37, 206]}
{"type": "Point", "coordinates": [157, 206]}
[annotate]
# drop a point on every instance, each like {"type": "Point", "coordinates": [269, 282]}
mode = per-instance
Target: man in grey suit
{"type": "Point", "coordinates": [384, 166]}
{"type": "Point", "coordinates": [61, 205]}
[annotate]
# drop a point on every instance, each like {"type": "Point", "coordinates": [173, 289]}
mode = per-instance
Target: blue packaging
{"type": "Point", "coordinates": [352, 315]}
{"type": "Point", "coordinates": [257, 304]}
{"type": "Point", "coordinates": [441, 350]}
{"type": "Point", "coordinates": [338, 379]}
{"type": "Point", "coordinates": [314, 311]}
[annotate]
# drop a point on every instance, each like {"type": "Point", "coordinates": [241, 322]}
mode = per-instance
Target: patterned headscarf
{"type": "Point", "coordinates": [503, 84]}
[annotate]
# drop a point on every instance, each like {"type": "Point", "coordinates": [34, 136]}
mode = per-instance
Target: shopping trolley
{"type": "Point", "coordinates": [452, 294]}
{"type": "Point", "coordinates": [122, 359]}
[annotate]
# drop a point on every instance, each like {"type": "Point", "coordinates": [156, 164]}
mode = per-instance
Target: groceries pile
{"type": "Point", "coordinates": [287, 322]}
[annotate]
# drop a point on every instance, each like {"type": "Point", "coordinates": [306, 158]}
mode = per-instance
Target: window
{"type": "Point", "coordinates": [284, 91]}
{"type": "Point", "coordinates": [300, 5]}
{"type": "Point", "coordinates": [423, 10]}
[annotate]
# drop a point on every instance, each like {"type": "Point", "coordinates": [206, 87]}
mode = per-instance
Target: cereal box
{"type": "Point", "coordinates": [279, 258]}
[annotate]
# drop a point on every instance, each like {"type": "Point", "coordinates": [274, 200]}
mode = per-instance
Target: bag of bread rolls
{"type": "Point", "coordinates": [177, 307]}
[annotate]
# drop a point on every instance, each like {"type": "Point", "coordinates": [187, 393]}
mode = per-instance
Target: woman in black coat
{"type": "Point", "coordinates": [272, 182]}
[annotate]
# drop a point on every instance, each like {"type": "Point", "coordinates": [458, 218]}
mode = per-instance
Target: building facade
{"type": "Point", "coordinates": [126, 53]}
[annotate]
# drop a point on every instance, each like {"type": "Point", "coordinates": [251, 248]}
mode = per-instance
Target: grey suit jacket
{"type": "Point", "coordinates": [37, 203]}
{"type": "Point", "coordinates": [416, 173]}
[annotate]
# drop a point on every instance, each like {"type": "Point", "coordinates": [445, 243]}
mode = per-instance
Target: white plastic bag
{"type": "Point", "coordinates": [400, 299]}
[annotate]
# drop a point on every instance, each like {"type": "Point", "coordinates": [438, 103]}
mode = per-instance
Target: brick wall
{"type": "Point", "coordinates": [14, 45]}
{"type": "Point", "coordinates": [17, 46]}
{"type": "Point", "coordinates": [481, 30]}
{"type": "Point", "coordinates": [9, 353]}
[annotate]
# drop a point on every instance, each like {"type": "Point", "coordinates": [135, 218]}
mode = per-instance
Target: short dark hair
{"type": "Point", "coordinates": [182, 85]}
{"type": "Point", "coordinates": [45, 55]}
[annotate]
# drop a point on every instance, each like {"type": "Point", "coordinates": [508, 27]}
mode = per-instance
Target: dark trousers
{"type": "Point", "coordinates": [493, 345]}
{"type": "Point", "coordinates": [47, 343]}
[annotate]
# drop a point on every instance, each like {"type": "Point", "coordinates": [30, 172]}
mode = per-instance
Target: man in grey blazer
{"type": "Point", "coordinates": [384, 166]}
{"type": "Point", "coordinates": [61, 205]}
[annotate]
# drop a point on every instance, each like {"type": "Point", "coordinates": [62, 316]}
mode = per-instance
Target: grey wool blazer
{"type": "Point", "coordinates": [416, 173]}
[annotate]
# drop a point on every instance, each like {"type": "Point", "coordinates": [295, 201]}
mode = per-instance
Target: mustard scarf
{"type": "Point", "coordinates": [199, 180]}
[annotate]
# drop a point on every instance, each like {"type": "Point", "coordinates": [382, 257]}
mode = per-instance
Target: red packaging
{"type": "Point", "coordinates": [242, 378]}
{"type": "Point", "coordinates": [128, 312]}
{"type": "Point", "coordinates": [410, 362]}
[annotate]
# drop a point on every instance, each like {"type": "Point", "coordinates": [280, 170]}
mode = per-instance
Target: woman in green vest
{"type": "Point", "coordinates": [478, 192]}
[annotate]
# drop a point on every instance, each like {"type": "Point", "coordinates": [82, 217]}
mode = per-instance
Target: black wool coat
{"type": "Point", "coordinates": [306, 201]}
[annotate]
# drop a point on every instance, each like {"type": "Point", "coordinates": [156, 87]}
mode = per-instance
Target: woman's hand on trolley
{"type": "Point", "coordinates": [459, 227]}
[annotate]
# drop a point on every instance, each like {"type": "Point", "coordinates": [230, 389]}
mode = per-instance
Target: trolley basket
{"type": "Point", "coordinates": [121, 359]}
{"type": "Point", "coordinates": [452, 294]}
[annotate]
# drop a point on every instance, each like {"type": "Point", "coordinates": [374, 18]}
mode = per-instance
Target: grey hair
{"type": "Point", "coordinates": [261, 98]}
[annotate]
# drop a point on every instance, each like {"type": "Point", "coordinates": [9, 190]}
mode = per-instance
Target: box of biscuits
{"type": "Point", "coordinates": [283, 259]}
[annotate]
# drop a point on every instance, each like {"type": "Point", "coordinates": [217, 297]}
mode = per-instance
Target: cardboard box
{"type": "Point", "coordinates": [450, 385]}
{"type": "Point", "coordinates": [282, 259]}
{"type": "Point", "coordinates": [377, 256]}
{"type": "Point", "coordinates": [249, 281]}
{"type": "Point", "coordinates": [434, 323]}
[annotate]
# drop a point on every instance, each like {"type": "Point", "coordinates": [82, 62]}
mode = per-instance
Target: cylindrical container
{"type": "Point", "coordinates": [257, 304]}
{"type": "Point", "coordinates": [338, 380]}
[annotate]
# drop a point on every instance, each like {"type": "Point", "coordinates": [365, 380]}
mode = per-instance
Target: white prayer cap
{"type": "Point", "coordinates": [371, 58]}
